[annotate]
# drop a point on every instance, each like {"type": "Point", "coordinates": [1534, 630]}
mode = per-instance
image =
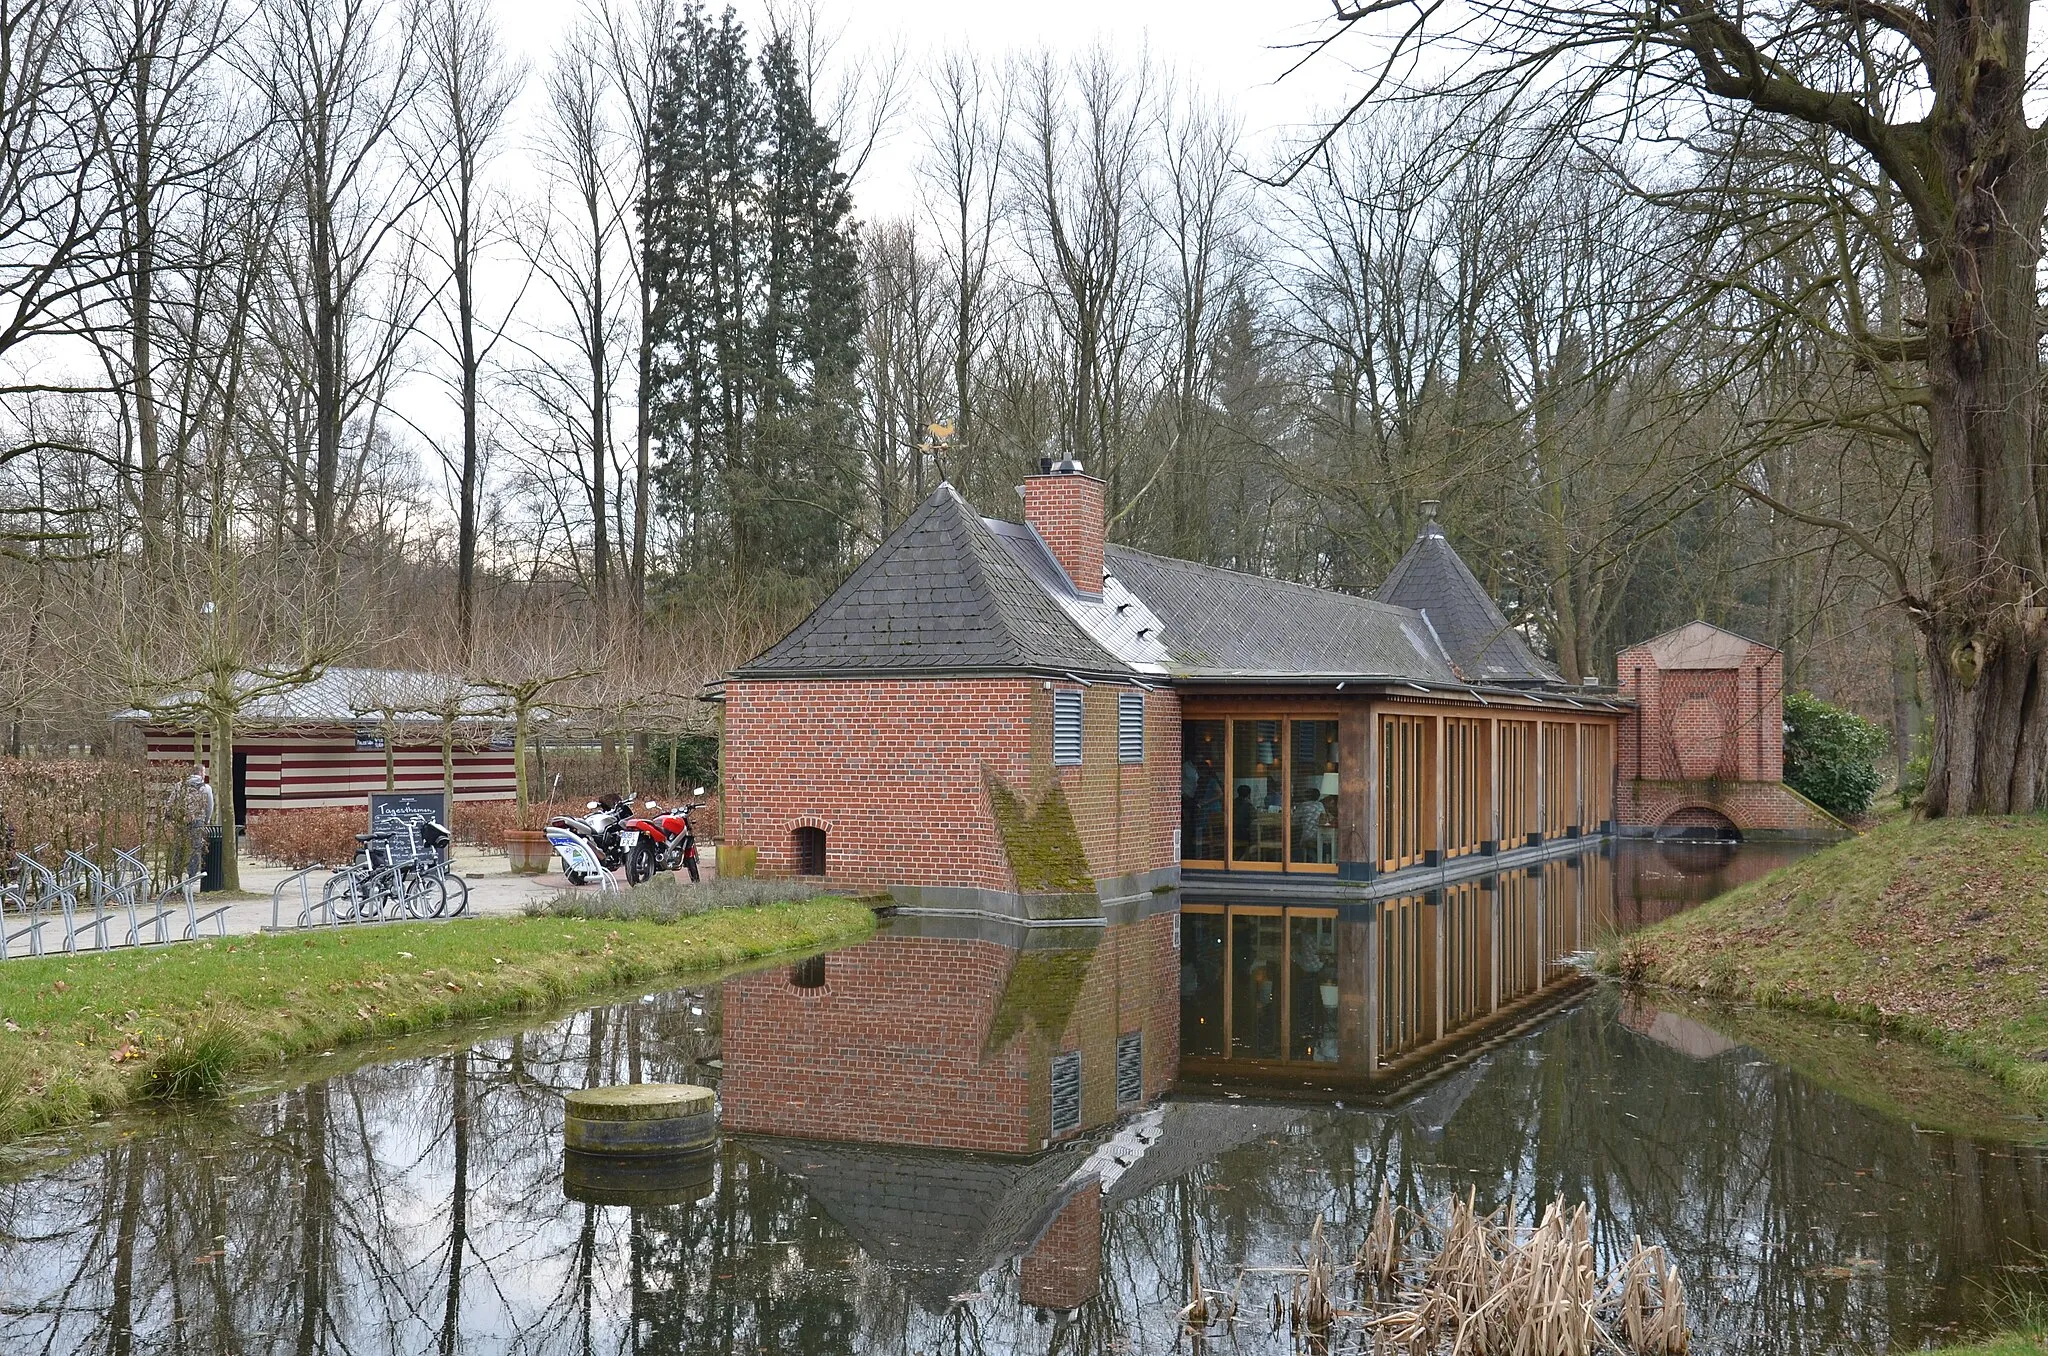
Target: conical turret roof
{"type": "Point", "coordinates": [1434, 580]}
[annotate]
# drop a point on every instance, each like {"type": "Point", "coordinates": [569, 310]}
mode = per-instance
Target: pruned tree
{"type": "Point", "coordinates": [523, 657]}
{"type": "Point", "coordinates": [204, 648]}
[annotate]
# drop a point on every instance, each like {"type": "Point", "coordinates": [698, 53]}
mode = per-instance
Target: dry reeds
{"type": "Point", "coordinates": [1490, 1288]}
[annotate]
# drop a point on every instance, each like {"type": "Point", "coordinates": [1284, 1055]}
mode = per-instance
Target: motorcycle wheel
{"type": "Point", "coordinates": [640, 865]}
{"type": "Point", "coordinates": [693, 868]}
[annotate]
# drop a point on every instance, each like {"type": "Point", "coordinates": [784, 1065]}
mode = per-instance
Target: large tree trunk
{"type": "Point", "coordinates": [1983, 611]}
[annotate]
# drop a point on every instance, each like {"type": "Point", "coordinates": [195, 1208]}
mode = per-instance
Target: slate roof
{"type": "Point", "coordinates": [937, 1218]}
{"type": "Point", "coordinates": [349, 696]}
{"type": "Point", "coordinates": [1219, 623]}
{"type": "Point", "coordinates": [1432, 579]}
{"type": "Point", "coordinates": [942, 594]}
{"type": "Point", "coordinates": [952, 592]}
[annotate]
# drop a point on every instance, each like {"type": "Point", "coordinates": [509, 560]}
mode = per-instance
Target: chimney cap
{"type": "Point", "coordinates": [1068, 465]}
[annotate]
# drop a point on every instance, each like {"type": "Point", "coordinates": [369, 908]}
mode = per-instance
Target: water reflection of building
{"type": "Point", "coordinates": [1009, 1051]}
{"type": "Point", "coordinates": [1653, 881]}
{"type": "Point", "coordinates": [1369, 993]}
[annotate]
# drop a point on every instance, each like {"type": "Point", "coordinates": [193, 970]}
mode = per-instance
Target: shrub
{"type": "Point", "coordinates": [483, 823]}
{"type": "Point", "coordinates": [667, 898]}
{"type": "Point", "coordinates": [200, 1061]}
{"type": "Point", "coordinates": [1831, 754]}
{"type": "Point", "coordinates": [89, 805]}
{"type": "Point", "coordinates": [300, 838]}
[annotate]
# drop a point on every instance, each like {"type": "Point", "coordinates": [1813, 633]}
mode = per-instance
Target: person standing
{"type": "Point", "coordinates": [198, 816]}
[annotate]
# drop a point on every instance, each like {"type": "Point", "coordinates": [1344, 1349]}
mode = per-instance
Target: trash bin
{"type": "Point", "coordinates": [212, 874]}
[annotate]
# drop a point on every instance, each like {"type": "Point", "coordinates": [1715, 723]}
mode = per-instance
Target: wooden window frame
{"type": "Point", "coordinates": [1285, 717]}
{"type": "Point", "coordinates": [1409, 823]}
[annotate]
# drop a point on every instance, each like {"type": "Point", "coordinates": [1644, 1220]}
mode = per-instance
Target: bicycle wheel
{"type": "Point", "coordinates": [387, 895]}
{"type": "Point", "coordinates": [338, 898]}
{"type": "Point", "coordinates": [424, 896]}
{"type": "Point", "coordinates": [456, 891]}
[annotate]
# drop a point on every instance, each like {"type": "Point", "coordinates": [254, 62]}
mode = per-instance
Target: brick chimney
{"type": "Point", "coordinates": [1065, 505]}
{"type": "Point", "coordinates": [1063, 1270]}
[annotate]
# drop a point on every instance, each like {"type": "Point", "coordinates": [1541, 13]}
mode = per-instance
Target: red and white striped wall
{"type": "Point", "coordinates": [322, 766]}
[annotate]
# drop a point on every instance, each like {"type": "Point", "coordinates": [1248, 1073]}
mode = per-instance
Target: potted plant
{"type": "Point", "coordinates": [526, 844]}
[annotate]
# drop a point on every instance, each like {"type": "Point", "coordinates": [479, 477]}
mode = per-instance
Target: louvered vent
{"type": "Point", "coordinates": [1130, 1068]}
{"type": "Point", "coordinates": [1066, 727]}
{"type": "Point", "coordinates": [1130, 727]}
{"type": "Point", "coordinates": [1066, 1093]}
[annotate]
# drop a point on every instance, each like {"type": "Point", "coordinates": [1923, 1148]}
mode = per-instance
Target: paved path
{"type": "Point", "coordinates": [493, 891]}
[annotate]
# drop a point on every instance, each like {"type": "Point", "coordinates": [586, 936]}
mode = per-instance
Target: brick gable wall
{"type": "Point", "coordinates": [892, 771]}
{"type": "Point", "coordinates": [1705, 748]}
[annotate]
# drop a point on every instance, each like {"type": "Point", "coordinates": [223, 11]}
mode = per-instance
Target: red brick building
{"type": "Point", "coordinates": [1705, 748]}
{"type": "Point", "coordinates": [1023, 719]}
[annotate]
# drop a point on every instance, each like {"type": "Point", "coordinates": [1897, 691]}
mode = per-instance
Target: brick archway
{"type": "Point", "coordinates": [1696, 819]}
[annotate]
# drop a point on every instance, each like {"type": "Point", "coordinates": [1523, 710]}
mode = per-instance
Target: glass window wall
{"type": "Point", "coordinates": [1203, 829]}
{"type": "Point", "coordinates": [1258, 808]}
{"type": "Point", "coordinates": [1260, 794]}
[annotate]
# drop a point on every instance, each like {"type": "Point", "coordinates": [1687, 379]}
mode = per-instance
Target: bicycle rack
{"type": "Point", "coordinates": [131, 883]}
{"type": "Point", "coordinates": [33, 924]}
{"type": "Point", "coordinates": [52, 893]}
{"type": "Point", "coordinates": [308, 905]}
{"type": "Point", "coordinates": [83, 870]}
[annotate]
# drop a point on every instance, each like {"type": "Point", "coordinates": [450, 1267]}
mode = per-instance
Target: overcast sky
{"type": "Point", "coordinates": [1228, 47]}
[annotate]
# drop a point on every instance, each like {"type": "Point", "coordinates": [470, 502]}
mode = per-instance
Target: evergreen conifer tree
{"type": "Point", "coordinates": [757, 296]}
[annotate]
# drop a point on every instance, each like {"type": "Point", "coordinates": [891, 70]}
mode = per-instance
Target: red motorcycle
{"type": "Point", "coordinates": [660, 840]}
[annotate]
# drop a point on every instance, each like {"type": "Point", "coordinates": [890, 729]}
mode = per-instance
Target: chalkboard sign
{"type": "Point", "coordinates": [394, 812]}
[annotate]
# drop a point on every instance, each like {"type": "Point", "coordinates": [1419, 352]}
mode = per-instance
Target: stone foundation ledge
{"type": "Point", "coordinates": [1111, 894]}
{"type": "Point", "coordinates": [1759, 811]}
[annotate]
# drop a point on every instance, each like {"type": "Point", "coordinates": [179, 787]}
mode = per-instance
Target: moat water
{"type": "Point", "coordinates": [959, 1138]}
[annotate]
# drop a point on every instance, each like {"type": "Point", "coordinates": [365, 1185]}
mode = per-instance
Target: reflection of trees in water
{"type": "Point", "coordinates": [416, 1208]}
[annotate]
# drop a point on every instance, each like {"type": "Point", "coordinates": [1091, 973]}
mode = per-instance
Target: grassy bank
{"type": "Point", "coordinates": [84, 1035]}
{"type": "Point", "coordinates": [1925, 928]}
{"type": "Point", "coordinates": [2008, 1344]}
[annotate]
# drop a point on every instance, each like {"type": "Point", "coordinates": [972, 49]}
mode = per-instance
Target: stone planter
{"type": "Point", "coordinates": [528, 850]}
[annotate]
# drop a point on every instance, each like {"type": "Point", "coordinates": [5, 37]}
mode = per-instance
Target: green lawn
{"type": "Point", "coordinates": [1930, 929]}
{"type": "Point", "coordinates": [83, 1035]}
{"type": "Point", "coordinates": [2007, 1344]}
